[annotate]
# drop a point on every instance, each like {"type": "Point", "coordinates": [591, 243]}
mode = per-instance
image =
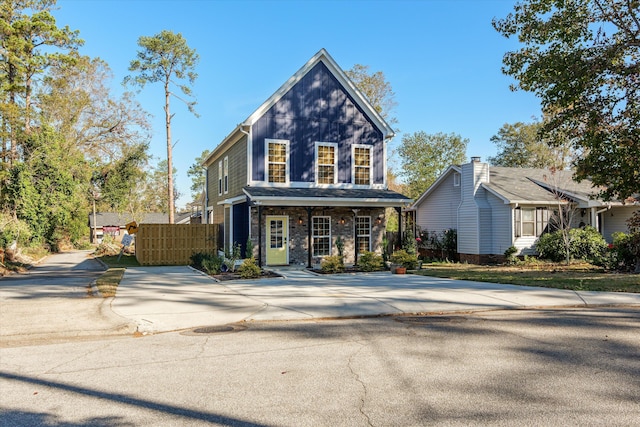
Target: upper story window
{"type": "Point", "coordinates": [226, 175]}
{"type": "Point", "coordinates": [361, 164]}
{"type": "Point", "coordinates": [220, 178]}
{"type": "Point", "coordinates": [277, 160]}
{"type": "Point", "coordinates": [530, 221]}
{"type": "Point", "coordinates": [326, 162]}
{"type": "Point", "coordinates": [456, 179]}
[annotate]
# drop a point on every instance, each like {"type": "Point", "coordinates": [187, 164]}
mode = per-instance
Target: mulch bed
{"type": "Point", "coordinates": [236, 276]}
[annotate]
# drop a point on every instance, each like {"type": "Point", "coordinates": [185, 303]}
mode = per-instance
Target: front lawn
{"type": "Point", "coordinates": [579, 276]}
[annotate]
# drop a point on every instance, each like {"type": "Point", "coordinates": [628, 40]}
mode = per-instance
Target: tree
{"type": "Point", "coordinates": [77, 100]}
{"type": "Point", "coordinates": [164, 58]}
{"type": "Point", "coordinates": [376, 89]}
{"type": "Point", "coordinates": [198, 176]}
{"type": "Point", "coordinates": [29, 44]}
{"type": "Point", "coordinates": [425, 157]}
{"type": "Point", "coordinates": [581, 58]}
{"type": "Point", "coordinates": [520, 146]}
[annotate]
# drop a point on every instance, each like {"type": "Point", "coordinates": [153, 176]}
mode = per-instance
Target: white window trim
{"type": "Point", "coordinates": [363, 235]}
{"type": "Point", "coordinates": [313, 236]}
{"type": "Point", "coordinates": [353, 165]}
{"type": "Point", "coordinates": [456, 179]}
{"type": "Point", "coordinates": [220, 178]}
{"type": "Point", "coordinates": [335, 161]}
{"type": "Point", "coordinates": [266, 161]}
{"type": "Point", "coordinates": [226, 175]}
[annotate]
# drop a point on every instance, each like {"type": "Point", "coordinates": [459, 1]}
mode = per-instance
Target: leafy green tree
{"type": "Point", "coordinates": [377, 90]}
{"type": "Point", "coordinates": [520, 146]}
{"type": "Point", "coordinates": [198, 175]}
{"type": "Point", "coordinates": [424, 157]}
{"type": "Point", "coordinates": [29, 44]}
{"type": "Point", "coordinates": [581, 58]}
{"type": "Point", "coordinates": [77, 100]}
{"type": "Point", "coordinates": [166, 58]}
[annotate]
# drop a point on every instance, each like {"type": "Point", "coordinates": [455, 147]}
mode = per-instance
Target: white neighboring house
{"type": "Point", "coordinates": [493, 208]}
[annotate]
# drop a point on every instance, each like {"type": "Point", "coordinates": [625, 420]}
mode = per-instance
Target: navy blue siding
{"type": "Point", "coordinates": [241, 225]}
{"type": "Point", "coordinates": [317, 108]}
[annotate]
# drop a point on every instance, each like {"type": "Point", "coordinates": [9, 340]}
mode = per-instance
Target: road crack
{"type": "Point", "coordinates": [356, 376]}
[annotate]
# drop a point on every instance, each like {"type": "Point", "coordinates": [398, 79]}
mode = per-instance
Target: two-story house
{"type": "Point", "coordinates": [307, 168]}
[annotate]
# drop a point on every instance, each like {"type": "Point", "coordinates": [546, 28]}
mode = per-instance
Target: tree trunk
{"type": "Point", "coordinates": [169, 155]}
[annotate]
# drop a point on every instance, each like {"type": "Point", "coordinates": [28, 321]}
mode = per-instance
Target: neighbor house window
{"type": "Point", "coordinates": [226, 175]}
{"type": "Point", "coordinates": [326, 162]}
{"type": "Point", "coordinates": [456, 179]}
{"type": "Point", "coordinates": [530, 221]}
{"type": "Point", "coordinates": [362, 164]}
{"type": "Point", "coordinates": [321, 234]}
{"type": "Point", "coordinates": [363, 233]}
{"type": "Point", "coordinates": [220, 178]}
{"type": "Point", "coordinates": [277, 161]}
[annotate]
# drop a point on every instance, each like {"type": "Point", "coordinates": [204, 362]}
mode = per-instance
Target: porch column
{"type": "Point", "coordinates": [399, 242]}
{"type": "Point", "coordinates": [260, 236]}
{"type": "Point", "coordinates": [309, 236]}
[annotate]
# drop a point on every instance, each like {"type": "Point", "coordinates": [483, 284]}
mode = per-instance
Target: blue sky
{"type": "Point", "coordinates": [442, 58]}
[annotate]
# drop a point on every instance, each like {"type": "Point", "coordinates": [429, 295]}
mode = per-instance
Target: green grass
{"type": "Point", "coordinates": [125, 261]}
{"type": "Point", "coordinates": [107, 284]}
{"type": "Point", "coordinates": [583, 277]}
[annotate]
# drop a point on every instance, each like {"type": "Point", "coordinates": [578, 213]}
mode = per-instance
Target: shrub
{"type": "Point", "coordinates": [621, 256]}
{"type": "Point", "coordinates": [588, 244]}
{"type": "Point", "coordinates": [212, 265]}
{"type": "Point", "coordinates": [209, 263]}
{"type": "Point", "coordinates": [370, 261]}
{"type": "Point", "coordinates": [332, 264]}
{"type": "Point", "coordinates": [551, 246]}
{"type": "Point", "coordinates": [584, 243]}
{"type": "Point", "coordinates": [510, 254]}
{"type": "Point", "coordinates": [405, 259]}
{"type": "Point", "coordinates": [249, 269]}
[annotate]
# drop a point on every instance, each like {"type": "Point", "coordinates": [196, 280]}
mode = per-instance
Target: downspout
{"type": "Point", "coordinates": [595, 217]}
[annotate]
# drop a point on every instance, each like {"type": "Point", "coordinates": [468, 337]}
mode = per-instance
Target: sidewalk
{"type": "Point", "coordinates": [159, 299]}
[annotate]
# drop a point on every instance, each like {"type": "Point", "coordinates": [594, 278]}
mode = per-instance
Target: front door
{"type": "Point", "coordinates": [277, 239]}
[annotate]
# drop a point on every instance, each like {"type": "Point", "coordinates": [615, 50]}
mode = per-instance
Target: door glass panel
{"type": "Point", "coordinates": [276, 236]}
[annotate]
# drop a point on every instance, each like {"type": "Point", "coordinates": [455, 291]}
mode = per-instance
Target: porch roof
{"type": "Point", "coordinates": [351, 197]}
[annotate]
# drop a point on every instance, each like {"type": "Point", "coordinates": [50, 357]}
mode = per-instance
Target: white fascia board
{"type": "Point", "coordinates": [235, 135]}
{"type": "Point", "coordinates": [233, 200]}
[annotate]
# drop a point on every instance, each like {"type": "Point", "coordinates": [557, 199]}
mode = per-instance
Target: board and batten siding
{"type": "Point", "coordinates": [439, 211]}
{"type": "Point", "coordinates": [317, 109]}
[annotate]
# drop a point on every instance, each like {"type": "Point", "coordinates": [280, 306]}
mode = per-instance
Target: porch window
{"type": "Point", "coordinates": [226, 175]}
{"type": "Point", "coordinates": [362, 164]}
{"type": "Point", "coordinates": [326, 162]}
{"type": "Point", "coordinates": [363, 233]}
{"type": "Point", "coordinates": [530, 221]}
{"type": "Point", "coordinates": [321, 235]}
{"type": "Point", "coordinates": [277, 161]}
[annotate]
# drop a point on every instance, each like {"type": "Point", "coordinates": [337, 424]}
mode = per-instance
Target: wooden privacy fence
{"type": "Point", "coordinates": [173, 244]}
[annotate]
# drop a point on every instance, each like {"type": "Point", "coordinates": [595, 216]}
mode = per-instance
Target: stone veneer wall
{"type": "Point", "coordinates": [298, 233]}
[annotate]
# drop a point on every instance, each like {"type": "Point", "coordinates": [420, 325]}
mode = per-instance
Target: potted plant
{"type": "Point", "coordinates": [403, 260]}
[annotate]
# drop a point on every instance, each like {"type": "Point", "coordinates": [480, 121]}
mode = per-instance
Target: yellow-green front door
{"type": "Point", "coordinates": [277, 239]}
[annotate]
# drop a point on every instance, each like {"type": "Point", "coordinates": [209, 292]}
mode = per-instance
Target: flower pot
{"type": "Point", "coordinates": [401, 270]}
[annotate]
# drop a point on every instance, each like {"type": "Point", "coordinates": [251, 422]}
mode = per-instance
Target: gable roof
{"type": "Point", "coordinates": [117, 219]}
{"type": "Point", "coordinates": [537, 186]}
{"type": "Point", "coordinates": [442, 177]}
{"type": "Point", "coordinates": [324, 57]}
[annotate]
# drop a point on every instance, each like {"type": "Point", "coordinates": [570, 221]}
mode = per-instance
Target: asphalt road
{"type": "Point", "coordinates": [538, 367]}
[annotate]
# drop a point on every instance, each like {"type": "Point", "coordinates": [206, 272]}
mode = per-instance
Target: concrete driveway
{"type": "Point", "coordinates": [160, 299]}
